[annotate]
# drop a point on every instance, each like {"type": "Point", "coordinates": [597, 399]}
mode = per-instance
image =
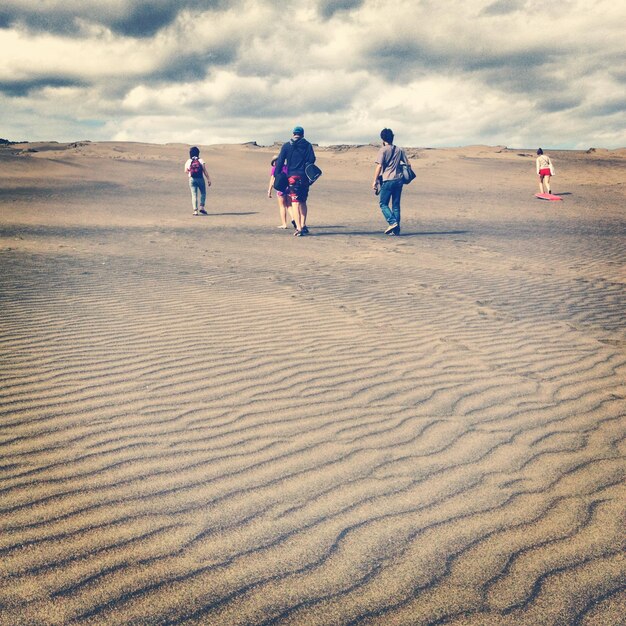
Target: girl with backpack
{"type": "Point", "coordinates": [196, 169]}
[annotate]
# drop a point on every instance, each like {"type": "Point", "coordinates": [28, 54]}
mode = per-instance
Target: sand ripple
{"type": "Point", "coordinates": [422, 431]}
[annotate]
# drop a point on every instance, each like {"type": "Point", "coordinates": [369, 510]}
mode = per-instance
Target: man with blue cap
{"type": "Point", "coordinates": [297, 154]}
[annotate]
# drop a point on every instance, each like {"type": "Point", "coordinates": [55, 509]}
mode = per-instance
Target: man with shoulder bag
{"type": "Point", "coordinates": [298, 154]}
{"type": "Point", "coordinates": [391, 165]}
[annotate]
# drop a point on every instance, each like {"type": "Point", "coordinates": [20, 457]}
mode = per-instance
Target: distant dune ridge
{"type": "Point", "coordinates": [205, 420]}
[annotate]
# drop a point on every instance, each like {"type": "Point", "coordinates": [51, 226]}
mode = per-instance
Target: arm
{"type": "Point", "coordinates": [537, 162]}
{"type": "Point", "coordinates": [377, 171]}
{"type": "Point", "coordinates": [208, 178]}
{"type": "Point", "coordinates": [310, 155]}
{"type": "Point", "coordinates": [269, 188]}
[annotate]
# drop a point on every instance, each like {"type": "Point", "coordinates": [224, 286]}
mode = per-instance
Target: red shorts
{"type": "Point", "coordinates": [298, 188]}
{"type": "Point", "coordinates": [545, 172]}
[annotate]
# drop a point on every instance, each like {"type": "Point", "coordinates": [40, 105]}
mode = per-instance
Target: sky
{"type": "Point", "coordinates": [519, 73]}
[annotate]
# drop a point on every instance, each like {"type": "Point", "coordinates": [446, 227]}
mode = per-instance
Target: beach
{"type": "Point", "coordinates": [206, 420]}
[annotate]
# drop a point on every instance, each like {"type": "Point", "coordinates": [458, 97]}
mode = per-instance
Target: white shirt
{"type": "Point", "coordinates": [543, 162]}
{"type": "Point", "coordinates": [188, 163]}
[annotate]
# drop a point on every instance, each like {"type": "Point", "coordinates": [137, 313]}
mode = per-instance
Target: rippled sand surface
{"type": "Point", "coordinates": [209, 421]}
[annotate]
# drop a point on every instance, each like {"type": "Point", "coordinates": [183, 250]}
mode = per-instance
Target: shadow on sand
{"type": "Point", "coordinates": [381, 234]}
{"type": "Point", "coordinates": [210, 214]}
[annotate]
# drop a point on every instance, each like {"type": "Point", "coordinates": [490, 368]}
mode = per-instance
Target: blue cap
{"type": "Point", "coordinates": [298, 130]}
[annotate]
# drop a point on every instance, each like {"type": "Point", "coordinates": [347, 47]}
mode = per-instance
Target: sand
{"type": "Point", "coordinates": [206, 420]}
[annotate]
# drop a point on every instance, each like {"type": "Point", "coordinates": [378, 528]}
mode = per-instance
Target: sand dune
{"type": "Point", "coordinates": [209, 421]}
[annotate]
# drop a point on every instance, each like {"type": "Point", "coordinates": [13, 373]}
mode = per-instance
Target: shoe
{"type": "Point", "coordinates": [283, 226]}
{"type": "Point", "coordinates": [391, 228]}
{"type": "Point", "coordinates": [293, 223]}
{"type": "Point", "coordinates": [305, 230]}
{"type": "Point", "coordinates": [396, 231]}
{"type": "Point", "coordinates": [203, 211]}
{"type": "Point", "coordinates": [195, 212]}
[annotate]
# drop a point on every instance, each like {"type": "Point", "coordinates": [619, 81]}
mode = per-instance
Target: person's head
{"type": "Point", "coordinates": [273, 161]}
{"type": "Point", "coordinates": [194, 152]}
{"type": "Point", "coordinates": [298, 132]}
{"type": "Point", "coordinates": [386, 134]}
{"type": "Point", "coordinates": [540, 151]}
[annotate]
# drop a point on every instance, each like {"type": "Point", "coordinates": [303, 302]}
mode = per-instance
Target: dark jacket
{"type": "Point", "coordinates": [297, 154]}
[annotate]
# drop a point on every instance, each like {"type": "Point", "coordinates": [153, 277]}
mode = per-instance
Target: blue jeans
{"type": "Point", "coordinates": [391, 190]}
{"type": "Point", "coordinates": [197, 187]}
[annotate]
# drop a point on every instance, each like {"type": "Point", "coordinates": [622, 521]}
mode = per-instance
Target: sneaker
{"type": "Point", "coordinates": [203, 211]}
{"type": "Point", "coordinates": [298, 233]}
{"type": "Point", "coordinates": [293, 223]}
{"type": "Point", "coordinates": [305, 230]}
{"type": "Point", "coordinates": [389, 230]}
{"type": "Point", "coordinates": [195, 212]}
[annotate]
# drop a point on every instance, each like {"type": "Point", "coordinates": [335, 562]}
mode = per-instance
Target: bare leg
{"type": "Point", "coordinates": [282, 210]}
{"type": "Point", "coordinates": [297, 216]}
{"type": "Point", "coordinates": [540, 184]}
{"type": "Point", "coordinates": [303, 211]}
{"type": "Point", "coordinates": [548, 184]}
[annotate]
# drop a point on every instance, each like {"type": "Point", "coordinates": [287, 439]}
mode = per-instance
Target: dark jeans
{"type": "Point", "coordinates": [391, 190]}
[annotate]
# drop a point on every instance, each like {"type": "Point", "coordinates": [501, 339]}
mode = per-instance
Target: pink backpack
{"type": "Point", "coordinates": [195, 168]}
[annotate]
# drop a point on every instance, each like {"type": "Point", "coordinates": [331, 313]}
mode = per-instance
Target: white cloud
{"type": "Point", "coordinates": [485, 71]}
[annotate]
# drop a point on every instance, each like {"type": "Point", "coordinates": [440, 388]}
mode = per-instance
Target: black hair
{"type": "Point", "coordinates": [194, 152]}
{"type": "Point", "coordinates": [273, 161]}
{"type": "Point", "coordinates": [540, 151]}
{"type": "Point", "coordinates": [386, 134]}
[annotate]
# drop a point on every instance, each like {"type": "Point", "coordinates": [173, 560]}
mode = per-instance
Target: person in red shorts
{"type": "Point", "coordinates": [545, 170]}
{"type": "Point", "coordinates": [297, 154]}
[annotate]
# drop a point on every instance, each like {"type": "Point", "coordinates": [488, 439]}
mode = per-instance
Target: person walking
{"type": "Point", "coordinates": [545, 170]}
{"type": "Point", "coordinates": [195, 167]}
{"type": "Point", "coordinates": [297, 154]}
{"type": "Point", "coordinates": [388, 180]}
{"type": "Point", "coordinates": [284, 201]}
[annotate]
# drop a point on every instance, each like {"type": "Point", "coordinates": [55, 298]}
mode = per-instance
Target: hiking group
{"type": "Point", "coordinates": [293, 170]}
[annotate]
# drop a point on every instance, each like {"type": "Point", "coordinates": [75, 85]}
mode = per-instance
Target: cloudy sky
{"type": "Point", "coordinates": [520, 73]}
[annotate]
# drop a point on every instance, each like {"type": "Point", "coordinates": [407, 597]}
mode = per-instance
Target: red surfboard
{"type": "Point", "coordinates": [547, 196]}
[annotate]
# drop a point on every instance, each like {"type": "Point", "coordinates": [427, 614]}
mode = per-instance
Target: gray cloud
{"type": "Point", "coordinates": [132, 18]}
{"type": "Point", "coordinates": [145, 19]}
{"type": "Point", "coordinates": [503, 7]}
{"type": "Point", "coordinates": [400, 58]}
{"type": "Point", "coordinates": [193, 65]}
{"type": "Point", "coordinates": [393, 59]}
{"type": "Point", "coordinates": [328, 8]}
{"type": "Point", "coordinates": [5, 18]}
{"type": "Point", "coordinates": [556, 104]}
{"type": "Point", "coordinates": [612, 106]}
{"type": "Point", "coordinates": [21, 88]}
{"type": "Point", "coordinates": [527, 60]}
